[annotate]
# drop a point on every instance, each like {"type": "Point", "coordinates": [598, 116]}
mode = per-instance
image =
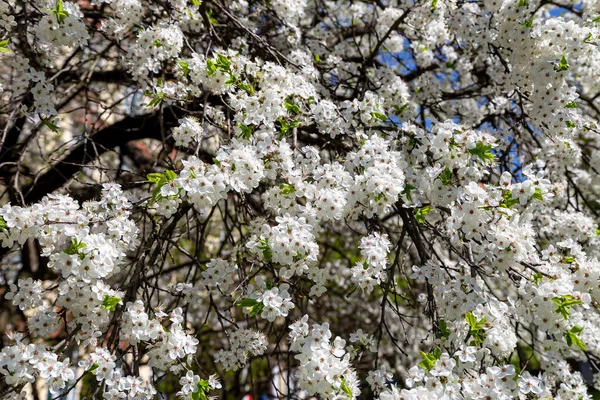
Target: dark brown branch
{"type": "Point", "coordinates": [119, 134]}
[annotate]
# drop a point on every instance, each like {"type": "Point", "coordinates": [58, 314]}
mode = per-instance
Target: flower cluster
{"type": "Point", "coordinates": [276, 301]}
{"type": "Point", "coordinates": [379, 177]}
{"type": "Point", "coordinates": [290, 243]}
{"type": "Point", "coordinates": [187, 132]}
{"type": "Point", "coordinates": [21, 363]}
{"type": "Point", "coordinates": [324, 365]}
{"type": "Point", "coordinates": [219, 276]}
{"type": "Point", "coordinates": [419, 177]}
{"type": "Point", "coordinates": [374, 249]}
{"type": "Point", "coordinates": [61, 25]}
{"type": "Point", "coordinates": [241, 344]}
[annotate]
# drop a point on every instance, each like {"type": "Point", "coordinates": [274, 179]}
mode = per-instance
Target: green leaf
{"type": "Point", "coordinates": [446, 176]}
{"type": "Point", "coordinates": [199, 395]}
{"type": "Point", "coordinates": [197, 2]}
{"type": "Point", "coordinates": [509, 200]}
{"type": "Point", "coordinates": [317, 58]}
{"type": "Point", "coordinates": [287, 188]}
{"type": "Point", "coordinates": [291, 106]}
{"type": "Point", "coordinates": [429, 359]}
{"type": "Point", "coordinates": [53, 127]}
{"type": "Point", "coordinates": [203, 388]}
{"type": "Point", "coordinates": [588, 39]}
{"type": "Point", "coordinates": [433, 4]}
{"type": "Point", "coordinates": [572, 337]}
{"type": "Point", "coordinates": [523, 3]}
{"type": "Point", "coordinates": [3, 224]}
{"type": "Point", "coordinates": [185, 67]}
{"type": "Point", "coordinates": [256, 309]}
{"type": "Point", "coordinates": [400, 109]}
{"type": "Point", "coordinates": [597, 19]}
{"type": "Point", "coordinates": [346, 389]}
{"type": "Point", "coordinates": [444, 332]}
{"type": "Point", "coordinates": [564, 304]}
{"type": "Point", "coordinates": [231, 81]}
{"type": "Point", "coordinates": [59, 12]}
{"type": "Point", "coordinates": [570, 124]}
{"type": "Point", "coordinates": [75, 247]}
{"type": "Point", "coordinates": [246, 131]}
{"type": "Point", "coordinates": [93, 368]}
{"type": "Point", "coordinates": [4, 46]}
{"type": "Point", "coordinates": [157, 43]}
{"type": "Point", "coordinates": [171, 175]}
{"type": "Point", "coordinates": [538, 194]}
{"type": "Point", "coordinates": [211, 19]}
{"type": "Point", "coordinates": [251, 305]}
{"type": "Point", "coordinates": [156, 177]}
{"type": "Point", "coordinates": [266, 249]}
{"type": "Point", "coordinates": [211, 67]}
{"type": "Point", "coordinates": [473, 323]}
{"type": "Point", "coordinates": [379, 116]}
{"type": "Point", "coordinates": [247, 87]}
{"type": "Point", "coordinates": [110, 302]}
{"type": "Point", "coordinates": [482, 151]}
{"type": "Point", "coordinates": [578, 342]}
{"type": "Point", "coordinates": [577, 329]}
{"type": "Point", "coordinates": [223, 63]}
{"type": "Point", "coordinates": [246, 302]}
{"type": "Point", "coordinates": [476, 328]}
{"type": "Point", "coordinates": [421, 213]}
{"type": "Point", "coordinates": [426, 363]}
{"type": "Point", "coordinates": [287, 127]}
{"type": "Point", "coordinates": [528, 23]}
{"type": "Point", "coordinates": [407, 189]}
{"type": "Point", "coordinates": [160, 180]}
{"type": "Point", "coordinates": [204, 385]}
{"type": "Point", "coordinates": [156, 99]}
{"type": "Point", "coordinates": [471, 320]}
{"type": "Point", "coordinates": [563, 65]}
{"type": "Point", "coordinates": [571, 104]}
{"type": "Point", "coordinates": [481, 322]}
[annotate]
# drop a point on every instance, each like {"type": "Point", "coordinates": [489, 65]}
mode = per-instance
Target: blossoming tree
{"type": "Point", "coordinates": [395, 199]}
